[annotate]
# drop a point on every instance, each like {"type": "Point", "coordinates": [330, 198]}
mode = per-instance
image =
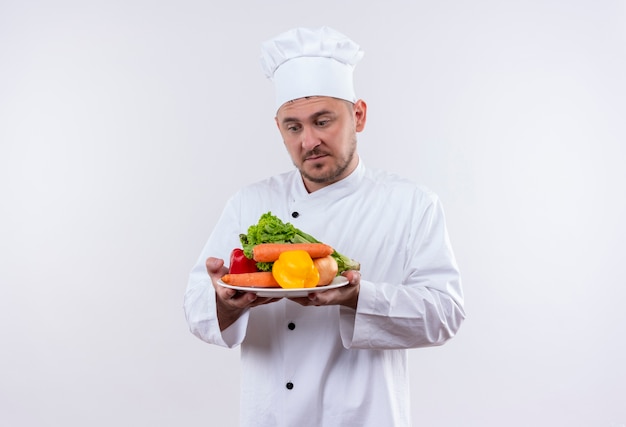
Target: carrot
{"type": "Point", "coordinates": [269, 252]}
{"type": "Point", "coordinates": [260, 279]}
{"type": "Point", "coordinates": [327, 266]}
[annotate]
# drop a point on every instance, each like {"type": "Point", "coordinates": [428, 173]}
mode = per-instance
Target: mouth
{"type": "Point", "coordinates": [314, 156]}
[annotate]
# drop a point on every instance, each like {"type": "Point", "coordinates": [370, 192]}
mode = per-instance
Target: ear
{"type": "Point", "coordinates": [360, 114]}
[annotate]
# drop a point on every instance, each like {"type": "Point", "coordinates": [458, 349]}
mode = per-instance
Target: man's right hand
{"type": "Point", "coordinates": [230, 303]}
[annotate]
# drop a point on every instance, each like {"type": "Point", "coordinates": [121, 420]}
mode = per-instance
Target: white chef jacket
{"type": "Point", "coordinates": [334, 366]}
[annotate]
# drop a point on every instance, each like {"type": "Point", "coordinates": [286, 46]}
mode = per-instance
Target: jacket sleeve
{"type": "Point", "coordinates": [199, 301]}
{"type": "Point", "coordinates": [423, 308]}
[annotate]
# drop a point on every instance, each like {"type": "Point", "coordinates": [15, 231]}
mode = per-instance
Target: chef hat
{"type": "Point", "coordinates": [311, 62]}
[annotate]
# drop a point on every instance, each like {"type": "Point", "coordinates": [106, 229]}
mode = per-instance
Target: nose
{"type": "Point", "coordinates": [309, 139]}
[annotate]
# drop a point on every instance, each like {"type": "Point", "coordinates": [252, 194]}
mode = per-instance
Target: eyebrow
{"type": "Point", "coordinates": [311, 117]}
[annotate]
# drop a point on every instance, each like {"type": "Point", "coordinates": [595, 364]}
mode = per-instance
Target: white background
{"type": "Point", "coordinates": [125, 125]}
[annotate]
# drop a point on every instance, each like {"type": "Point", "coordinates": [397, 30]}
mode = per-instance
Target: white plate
{"type": "Point", "coordinates": [337, 282]}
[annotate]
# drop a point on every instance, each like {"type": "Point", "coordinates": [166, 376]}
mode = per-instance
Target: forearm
{"type": "Point", "coordinates": [205, 317]}
{"type": "Point", "coordinates": [201, 314]}
{"type": "Point", "coordinates": [204, 320]}
{"type": "Point", "coordinates": [226, 316]}
{"type": "Point", "coordinates": [401, 316]}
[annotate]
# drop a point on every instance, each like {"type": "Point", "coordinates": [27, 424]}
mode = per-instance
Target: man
{"type": "Point", "coordinates": [338, 357]}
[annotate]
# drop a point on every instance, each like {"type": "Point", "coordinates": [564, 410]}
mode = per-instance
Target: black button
{"type": "Point", "coordinates": [291, 326]}
{"type": "Point", "coordinates": [289, 385]}
{"type": "Point", "coordinates": [295, 214]}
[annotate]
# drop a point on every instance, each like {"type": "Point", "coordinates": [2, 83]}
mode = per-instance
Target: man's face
{"type": "Point", "coordinates": [320, 136]}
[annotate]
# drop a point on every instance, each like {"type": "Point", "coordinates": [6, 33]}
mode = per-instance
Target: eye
{"type": "Point", "coordinates": [292, 127]}
{"type": "Point", "coordinates": [323, 122]}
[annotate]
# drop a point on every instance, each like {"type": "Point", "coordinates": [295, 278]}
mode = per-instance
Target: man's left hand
{"type": "Point", "coordinates": [346, 295]}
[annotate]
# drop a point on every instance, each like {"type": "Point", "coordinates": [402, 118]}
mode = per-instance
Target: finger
{"type": "Point", "coordinates": [215, 267]}
{"type": "Point", "coordinates": [353, 276]}
{"type": "Point", "coordinates": [225, 293]}
{"type": "Point", "coordinates": [240, 300]}
{"type": "Point", "coordinates": [320, 298]}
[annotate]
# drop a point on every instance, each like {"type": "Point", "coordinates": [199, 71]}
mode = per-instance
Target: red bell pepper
{"type": "Point", "coordinates": [240, 264]}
